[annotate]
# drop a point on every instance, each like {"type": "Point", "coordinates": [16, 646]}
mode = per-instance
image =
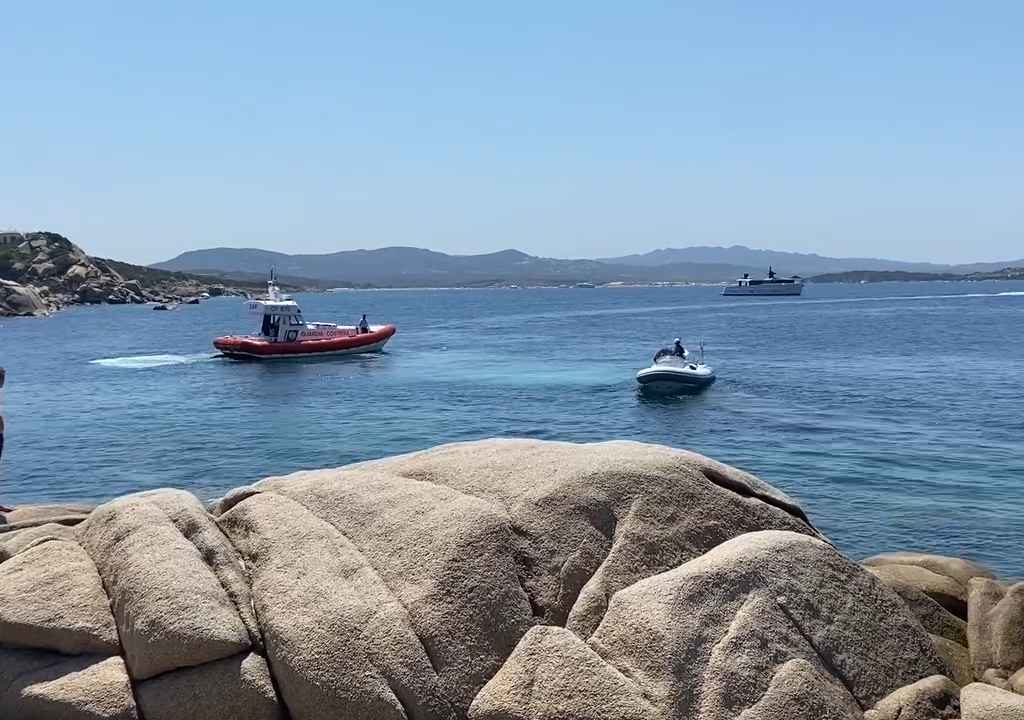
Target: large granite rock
{"type": "Point", "coordinates": [169, 604]}
{"type": "Point", "coordinates": [235, 687]}
{"type": "Point", "coordinates": [26, 516]}
{"type": "Point", "coordinates": [979, 701]}
{"type": "Point", "coordinates": [17, 299]}
{"type": "Point", "coordinates": [16, 541]}
{"type": "Point", "coordinates": [958, 569]}
{"type": "Point", "coordinates": [995, 628]}
{"type": "Point", "coordinates": [934, 698]}
{"type": "Point", "coordinates": [934, 617]}
{"type": "Point", "coordinates": [45, 686]}
{"type": "Point", "coordinates": [957, 658]}
{"type": "Point", "coordinates": [558, 676]}
{"type": "Point", "coordinates": [496, 580]}
{"type": "Point", "coordinates": [944, 590]}
{"type": "Point", "coordinates": [51, 597]}
{"type": "Point", "coordinates": [707, 639]}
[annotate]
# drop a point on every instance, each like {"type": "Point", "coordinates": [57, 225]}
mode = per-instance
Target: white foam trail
{"type": "Point", "coordinates": [139, 362]}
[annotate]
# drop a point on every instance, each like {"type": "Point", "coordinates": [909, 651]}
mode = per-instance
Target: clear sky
{"type": "Point", "coordinates": [575, 129]}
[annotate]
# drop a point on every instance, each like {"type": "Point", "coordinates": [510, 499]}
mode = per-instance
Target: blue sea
{"type": "Point", "coordinates": [893, 412]}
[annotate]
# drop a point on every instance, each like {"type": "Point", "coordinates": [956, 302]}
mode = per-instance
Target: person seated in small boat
{"type": "Point", "coordinates": [364, 327]}
{"type": "Point", "coordinates": [677, 350]}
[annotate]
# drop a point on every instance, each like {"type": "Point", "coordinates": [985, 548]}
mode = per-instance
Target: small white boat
{"type": "Point", "coordinates": [771, 285]}
{"type": "Point", "coordinates": [675, 374]}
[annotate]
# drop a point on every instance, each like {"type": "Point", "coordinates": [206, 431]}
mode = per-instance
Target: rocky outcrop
{"type": "Point", "coordinates": [497, 580]}
{"type": "Point", "coordinates": [47, 271]}
{"type": "Point", "coordinates": [25, 300]}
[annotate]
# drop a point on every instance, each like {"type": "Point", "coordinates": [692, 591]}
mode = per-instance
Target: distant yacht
{"type": "Point", "coordinates": [770, 285]}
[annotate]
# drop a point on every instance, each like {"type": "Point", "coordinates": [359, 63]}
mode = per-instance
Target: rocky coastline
{"type": "Point", "coordinates": [492, 580]}
{"type": "Point", "coordinates": [43, 272]}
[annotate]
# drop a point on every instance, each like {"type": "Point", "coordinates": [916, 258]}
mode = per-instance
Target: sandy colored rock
{"type": "Point", "coordinates": [16, 299]}
{"type": "Point", "coordinates": [198, 527]}
{"type": "Point", "coordinates": [996, 678]}
{"type": "Point", "coordinates": [995, 628]}
{"type": "Point", "coordinates": [26, 516]}
{"type": "Point", "coordinates": [933, 698]}
{"type": "Point", "coordinates": [553, 675]}
{"type": "Point", "coordinates": [45, 686]}
{"type": "Point", "coordinates": [935, 618]}
{"type": "Point", "coordinates": [339, 642]}
{"type": "Point", "coordinates": [16, 541]}
{"type": "Point", "coordinates": [798, 691]}
{"type": "Point", "coordinates": [480, 541]}
{"type": "Point", "coordinates": [979, 701]}
{"type": "Point", "coordinates": [946, 591]}
{"type": "Point", "coordinates": [592, 519]}
{"type": "Point", "coordinates": [51, 598]}
{"type": "Point", "coordinates": [170, 607]}
{"type": "Point", "coordinates": [1017, 682]}
{"type": "Point", "coordinates": [960, 570]}
{"type": "Point", "coordinates": [958, 660]}
{"type": "Point", "coordinates": [236, 688]}
{"type": "Point", "coordinates": [707, 640]}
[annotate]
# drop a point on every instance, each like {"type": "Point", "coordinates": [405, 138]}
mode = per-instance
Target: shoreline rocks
{"type": "Point", "coordinates": [47, 272]}
{"type": "Point", "coordinates": [493, 580]}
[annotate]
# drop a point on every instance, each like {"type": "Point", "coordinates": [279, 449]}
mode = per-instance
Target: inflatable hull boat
{"type": "Point", "coordinates": [254, 347]}
{"type": "Point", "coordinates": [664, 379]}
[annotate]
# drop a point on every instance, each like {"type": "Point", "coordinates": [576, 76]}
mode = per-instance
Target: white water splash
{"type": "Point", "coordinates": [140, 362]}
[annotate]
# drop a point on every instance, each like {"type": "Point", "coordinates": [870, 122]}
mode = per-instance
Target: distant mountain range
{"type": "Point", "coordinates": [792, 262]}
{"type": "Point", "coordinates": [416, 267]}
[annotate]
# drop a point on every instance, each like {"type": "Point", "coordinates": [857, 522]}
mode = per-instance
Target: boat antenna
{"type": "Point", "coordinates": [701, 351]}
{"type": "Point", "coordinates": [272, 291]}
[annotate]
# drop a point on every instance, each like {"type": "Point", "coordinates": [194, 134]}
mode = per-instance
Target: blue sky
{"type": "Point", "coordinates": [563, 129]}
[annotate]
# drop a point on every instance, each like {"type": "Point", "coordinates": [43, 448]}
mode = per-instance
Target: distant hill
{"type": "Point", "coordinates": [872, 276]}
{"type": "Point", "coordinates": [417, 267]}
{"type": "Point", "coordinates": [792, 263]}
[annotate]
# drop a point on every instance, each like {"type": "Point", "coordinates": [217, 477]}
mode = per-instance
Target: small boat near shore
{"type": "Point", "coordinates": [284, 333]}
{"type": "Point", "coordinates": [675, 373]}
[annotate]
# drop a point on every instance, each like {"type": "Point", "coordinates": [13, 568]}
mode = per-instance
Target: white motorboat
{"type": "Point", "coordinates": [771, 285]}
{"type": "Point", "coordinates": [674, 373]}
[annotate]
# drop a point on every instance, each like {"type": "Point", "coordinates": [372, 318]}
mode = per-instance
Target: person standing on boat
{"type": "Point", "coordinates": [364, 327]}
{"type": "Point", "coordinates": [678, 349]}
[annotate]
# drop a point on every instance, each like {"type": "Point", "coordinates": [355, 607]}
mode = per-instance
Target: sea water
{"type": "Point", "coordinates": [893, 412]}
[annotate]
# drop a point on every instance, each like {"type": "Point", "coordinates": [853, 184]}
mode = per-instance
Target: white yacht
{"type": "Point", "coordinates": [771, 285]}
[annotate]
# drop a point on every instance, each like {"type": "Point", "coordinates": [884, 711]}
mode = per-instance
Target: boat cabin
{"type": "Point", "coordinates": [772, 279]}
{"type": "Point", "coordinates": [282, 320]}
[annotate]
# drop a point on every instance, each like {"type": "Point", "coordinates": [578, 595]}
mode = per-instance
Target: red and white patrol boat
{"type": "Point", "coordinates": [284, 334]}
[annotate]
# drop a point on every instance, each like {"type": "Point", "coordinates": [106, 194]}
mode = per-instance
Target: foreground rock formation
{"type": "Point", "coordinates": [497, 580]}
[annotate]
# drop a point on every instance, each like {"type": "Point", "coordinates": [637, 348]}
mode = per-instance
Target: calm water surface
{"type": "Point", "coordinates": [893, 412]}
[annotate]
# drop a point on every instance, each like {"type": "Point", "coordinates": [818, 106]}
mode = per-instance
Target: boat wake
{"type": "Point", "coordinates": [141, 362]}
